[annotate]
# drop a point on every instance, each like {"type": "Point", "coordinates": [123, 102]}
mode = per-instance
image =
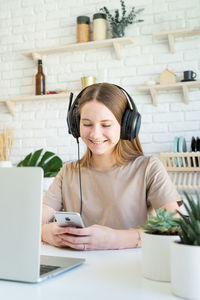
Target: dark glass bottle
{"type": "Point", "coordinates": [40, 80]}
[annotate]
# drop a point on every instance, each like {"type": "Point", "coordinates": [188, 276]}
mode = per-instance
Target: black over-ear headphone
{"type": "Point", "coordinates": [130, 124]}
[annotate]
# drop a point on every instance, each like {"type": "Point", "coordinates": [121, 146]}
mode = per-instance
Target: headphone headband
{"type": "Point", "coordinates": [130, 124]}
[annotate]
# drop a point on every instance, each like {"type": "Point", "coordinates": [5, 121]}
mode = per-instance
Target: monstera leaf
{"type": "Point", "coordinates": [49, 162]}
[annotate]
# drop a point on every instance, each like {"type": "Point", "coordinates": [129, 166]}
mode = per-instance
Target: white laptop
{"type": "Point", "coordinates": [20, 228]}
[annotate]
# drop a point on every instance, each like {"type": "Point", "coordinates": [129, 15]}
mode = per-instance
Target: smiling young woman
{"type": "Point", "coordinates": [119, 183]}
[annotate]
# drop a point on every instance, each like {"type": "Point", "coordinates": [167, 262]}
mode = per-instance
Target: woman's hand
{"type": "Point", "coordinates": [52, 234]}
{"type": "Point", "coordinates": [95, 237]}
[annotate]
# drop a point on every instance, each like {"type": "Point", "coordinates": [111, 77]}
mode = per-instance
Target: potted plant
{"type": "Point", "coordinates": [49, 162]}
{"type": "Point", "coordinates": [117, 23]}
{"type": "Point", "coordinates": [160, 231]}
{"type": "Point", "coordinates": [185, 253]}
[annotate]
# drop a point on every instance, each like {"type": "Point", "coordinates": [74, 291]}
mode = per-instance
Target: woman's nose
{"type": "Point", "coordinates": [95, 131]}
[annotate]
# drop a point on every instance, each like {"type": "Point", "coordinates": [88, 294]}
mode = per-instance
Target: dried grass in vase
{"type": "Point", "coordinates": [6, 143]}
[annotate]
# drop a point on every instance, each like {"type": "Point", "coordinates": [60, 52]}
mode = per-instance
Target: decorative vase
{"type": "Point", "coordinates": [87, 80]}
{"type": "Point", "coordinates": [5, 164]}
{"type": "Point", "coordinates": [156, 256]}
{"type": "Point", "coordinates": [118, 30]}
{"type": "Point", "coordinates": [185, 270]}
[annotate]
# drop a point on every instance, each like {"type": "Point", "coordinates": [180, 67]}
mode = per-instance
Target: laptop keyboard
{"type": "Point", "coordinates": [46, 268]}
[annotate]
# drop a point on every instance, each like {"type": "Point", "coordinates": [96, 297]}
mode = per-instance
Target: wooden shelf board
{"type": "Point", "coordinates": [10, 102]}
{"type": "Point", "coordinates": [175, 86]}
{"type": "Point", "coordinates": [177, 33]}
{"type": "Point", "coordinates": [184, 86]}
{"type": "Point", "coordinates": [37, 53]}
{"type": "Point", "coordinates": [171, 35]}
{"type": "Point", "coordinates": [34, 97]}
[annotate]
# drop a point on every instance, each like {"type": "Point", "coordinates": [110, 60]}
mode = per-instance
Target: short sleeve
{"type": "Point", "coordinates": [53, 196]}
{"type": "Point", "coordinates": [160, 189]}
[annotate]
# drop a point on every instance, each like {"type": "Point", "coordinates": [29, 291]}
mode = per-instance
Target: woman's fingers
{"type": "Point", "coordinates": [81, 246]}
{"type": "Point", "coordinates": [75, 239]}
{"type": "Point", "coordinates": [78, 231]}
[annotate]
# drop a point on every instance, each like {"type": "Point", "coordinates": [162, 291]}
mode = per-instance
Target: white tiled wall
{"type": "Point", "coordinates": [29, 24]}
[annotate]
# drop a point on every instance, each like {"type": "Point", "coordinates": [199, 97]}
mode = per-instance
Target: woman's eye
{"type": "Point", "coordinates": [87, 125]}
{"type": "Point", "coordinates": [106, 125]}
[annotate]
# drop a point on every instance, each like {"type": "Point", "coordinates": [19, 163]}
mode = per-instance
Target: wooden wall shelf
{"type": "Point", "coordinates": [184, 86]}
{"type": "Point", "coordinates": [10, 102]}
{"type": "Point", "coordinates": [115, 43]}
{"type": "Point", "coordinates": [172, 35]}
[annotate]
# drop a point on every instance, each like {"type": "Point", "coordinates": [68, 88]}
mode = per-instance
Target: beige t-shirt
{"type": "Point", "coordinates": [118, 197]}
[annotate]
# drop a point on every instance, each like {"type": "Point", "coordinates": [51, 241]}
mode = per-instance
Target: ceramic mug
{"type": "Point", "coordinates": [189, 75]}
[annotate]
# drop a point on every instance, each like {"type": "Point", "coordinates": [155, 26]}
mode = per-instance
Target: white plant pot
{"type": "Point", "coordinates": [156, 256]}
{"type": "Point", "coordinates": [185, 270]}
{"type": "Point", "coordinates": [5, 164]}
{"type": "Point", "coordinates": [47, 181]}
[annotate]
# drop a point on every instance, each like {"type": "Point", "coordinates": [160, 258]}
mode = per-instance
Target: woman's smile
{"type": "Point", "coordinates": [99, 128]}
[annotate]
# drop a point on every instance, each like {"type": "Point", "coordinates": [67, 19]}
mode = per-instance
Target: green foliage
{"type": "Point", "coordinates": [49, 162]}
{"type": "Point", "coordinates": [190, 225]}
{"type": "Point", "coordinates": [118, 23]}
{"type": "Point", "coordinates": [163, 223]}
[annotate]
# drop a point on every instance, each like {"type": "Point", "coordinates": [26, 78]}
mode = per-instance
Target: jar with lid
{"type": "Point", "coordinates": [99, 26]}
{"type": "Point", "coordinates": [83, 29]}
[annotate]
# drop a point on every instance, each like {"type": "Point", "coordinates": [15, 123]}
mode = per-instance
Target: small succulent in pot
{"type": "Point", "coordinates": [163, 223]}
{"type": "Point", "coordinates": [190, 224]}
{"type": "Point", "coordinates": [118, 24]}
{"type": "Point", "coordinates": [185, 253]}
{"type": "Point", "coordinates": [159, 233]}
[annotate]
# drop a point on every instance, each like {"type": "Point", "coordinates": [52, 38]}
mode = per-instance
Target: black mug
{"type": "Point", "coordinates": [189, 75]}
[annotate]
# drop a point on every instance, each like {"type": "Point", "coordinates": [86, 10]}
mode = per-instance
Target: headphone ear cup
{"type": "Point", "coordinates": [123, 125]}
{"type": "Point", "coordinates": [75, 123]}
{"type": "Point", "coordinates": [130, 125]}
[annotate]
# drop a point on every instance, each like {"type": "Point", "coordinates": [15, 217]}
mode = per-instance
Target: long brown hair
{"type": "Point", "coordinates": [116, 101]}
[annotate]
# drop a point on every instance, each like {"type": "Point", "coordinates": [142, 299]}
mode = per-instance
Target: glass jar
{"type": "Point", "coordinates": [99, 27]}
{"type": "Point", "coordinates": [83, 29]}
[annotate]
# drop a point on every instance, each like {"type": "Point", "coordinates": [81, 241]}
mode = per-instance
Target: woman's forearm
{"type": "Point", "coordinates": [128, 238]}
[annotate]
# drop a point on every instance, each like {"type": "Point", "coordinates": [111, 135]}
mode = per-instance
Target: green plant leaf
{"type": "Point", "coordinates": [25, 161]}
{"type": "Point", "coordinates": [52, 165]}
{"type": "Point", "coordinates": [34, 158]}
{"type": "Point", "coordinates": [190, 225]}
{"type": "Point", "coordinates": [44, 158]}
{"type": "Point", "coordinates": [49, 162]}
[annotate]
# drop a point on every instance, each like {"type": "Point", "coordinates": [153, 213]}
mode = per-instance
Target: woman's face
{"type": "Point", "coordinates": [99, 129]}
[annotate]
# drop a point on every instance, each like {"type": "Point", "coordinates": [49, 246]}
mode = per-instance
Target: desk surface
{"type": "Point", "coordinates": [105, 275]}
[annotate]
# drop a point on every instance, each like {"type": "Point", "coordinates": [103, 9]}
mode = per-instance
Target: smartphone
{"type": "Point", "coordinates": [68, 219]}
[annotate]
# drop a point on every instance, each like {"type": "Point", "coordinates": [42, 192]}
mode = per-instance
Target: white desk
{"type": "Point", "coordinates": [106, 274]}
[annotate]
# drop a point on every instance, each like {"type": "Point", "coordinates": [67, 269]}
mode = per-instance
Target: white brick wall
{"type": "Point", "coordinates": [28, 24]}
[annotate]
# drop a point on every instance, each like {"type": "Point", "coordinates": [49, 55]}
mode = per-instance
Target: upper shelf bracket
{"type": "Point", "coordinates": [11, 107]}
